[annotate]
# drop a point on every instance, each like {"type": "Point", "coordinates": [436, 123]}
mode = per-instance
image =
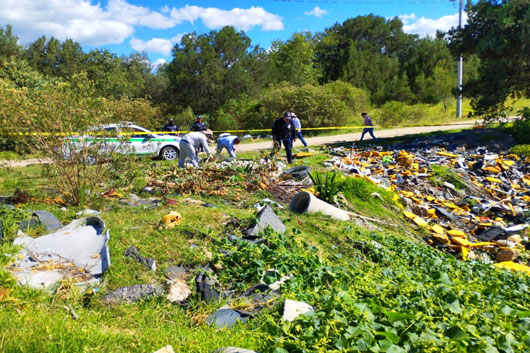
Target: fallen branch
{"type": "Point", "coordinates": [71, 311]}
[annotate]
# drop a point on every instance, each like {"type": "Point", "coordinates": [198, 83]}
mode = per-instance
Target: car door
{"type": "Point", "coordinates": [139, 140]}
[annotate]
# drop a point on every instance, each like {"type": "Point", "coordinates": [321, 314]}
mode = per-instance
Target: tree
{"type": "Point", "coordinates": [497, 32]}
{"type": "Point", "coordinates": [209, 69]}
{"type": "Point", "coordinates": [294, 59]}
{"type": "Point", "coordinates": [9, 43]}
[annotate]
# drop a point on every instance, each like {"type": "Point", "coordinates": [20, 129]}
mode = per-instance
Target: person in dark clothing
{"type": "Point", "coordinates": [283, 131]}
{"type": "Point", "coordinates": [171, 126]}
{"type": "Point", "coordinates": [198, 125]}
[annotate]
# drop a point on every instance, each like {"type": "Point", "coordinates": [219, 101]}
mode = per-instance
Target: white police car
{"type": "Point", "coordinates": [124, 138]}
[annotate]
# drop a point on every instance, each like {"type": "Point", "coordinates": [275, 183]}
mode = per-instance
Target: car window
{"type": "Point", "coordinates": [134, 132]}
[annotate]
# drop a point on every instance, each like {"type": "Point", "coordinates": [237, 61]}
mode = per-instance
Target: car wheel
{"type": "Point", "coordinates": [169, 153]}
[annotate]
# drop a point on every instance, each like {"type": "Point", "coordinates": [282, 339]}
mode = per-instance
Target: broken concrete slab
{"type": "Point", "coordinates": [292, 309]}
{"type": "Point", "coordinates": [133, 293]}
{"type": "Point", "coordinates": [226, 317]}
{"type": "Point", "coordinates": [134, 253]}
{"type": "Point", "coordinates": [266, 217]}
{"type": "Point", "coordinates": [48, 220]}
{"type": "Point", "coordinates": [78, 251]}
{"type": "Point", "coordinates": [176, 272]}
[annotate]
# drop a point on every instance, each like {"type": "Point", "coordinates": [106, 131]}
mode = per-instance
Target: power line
{"type": "Point", "coordinates": [368, 2]}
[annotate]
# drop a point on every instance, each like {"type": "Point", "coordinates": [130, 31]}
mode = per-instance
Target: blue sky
{"type": "Point", "coordinates": [124, 26]}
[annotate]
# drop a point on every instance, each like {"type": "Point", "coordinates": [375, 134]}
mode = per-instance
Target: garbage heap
{"type": "Point", "coordinates": [482, 215]}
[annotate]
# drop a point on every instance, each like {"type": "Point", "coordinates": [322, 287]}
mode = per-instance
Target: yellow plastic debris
{"type": "Point", "coordinates": [495, 170]}
{"type": "Point", "coordinates": [465, 252]}
{"type": "Point", "coordinates": [442, 238]}
{"type": "Point", "coordinates": [420, 221]}
{"type": "Point", "coordinates": [446, 154]}
{"type": "Point", "coordinates": [456, 233]}
{"type": "Point", "coordinates": [437, 229]}
{"type": "Point", "coordinates": [462, 241]}
{"type": "Point", "coordinates": [172, 219]}
{"type": "Point", "coordinates": [510, 265]}
{"type": "Point", "coordinates": [494, 180]}
{"type": "Point", "coordinates": [409, 215]}
{"type": "Point", "coordinates": [304, 154]}
{"type": "Point", "coordinates": [482, 244]}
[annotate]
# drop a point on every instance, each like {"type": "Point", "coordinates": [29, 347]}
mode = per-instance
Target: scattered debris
{"type": "Point", "coordinates": [226, 317]}
{"type": "Point", "coordinates": [305, 202]}
{"type": "Point", "coordinates": [133, 293]}
{"type": "Point", "coordinates": [176, 272]}
{"type": "Point", "coordinates": [468, 198]}
{"type": "Point", "coordinates": [299, 172]}
{"type": "Point", "coordinates": [134, 253]}
{"type": "Point", "coordinates": [178, 291]}
{"type": "Point", "coordinates": [292, 309]}
{"type": "Point", "coordinates": [171, 220]}
{"type": "Point", "coordinates": [266, 217]}
{"type": "Point", "coordinates": [78, 251]}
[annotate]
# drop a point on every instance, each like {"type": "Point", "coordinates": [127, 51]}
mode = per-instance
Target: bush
{"type": "Point", "coordinates": [392, 114]}
{"type": "Point", "coordinates": [521, 126]}
{"type": "Point", "coordinates": [41, 118]}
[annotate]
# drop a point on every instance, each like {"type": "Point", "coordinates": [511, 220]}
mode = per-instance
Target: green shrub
{"type": "Point", "coordinates": [521, 126]}
{"type": "Point", "coordinates": [521, 150]}
{"type": "Point", "coordinates": [392, 114]}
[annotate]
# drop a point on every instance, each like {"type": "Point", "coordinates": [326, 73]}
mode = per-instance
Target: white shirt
{"type": "Point", "coordinates": [196, 139]}
{"type": "Point", "coordinates": [296, 123]}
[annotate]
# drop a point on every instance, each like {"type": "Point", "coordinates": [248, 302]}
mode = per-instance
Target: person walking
{"type": "Point", "coordinates": [190, 143]}
{"type": "Point", "coordinates": [283, 132]}
{"type": "Point", "coordinates": [171, 126]}
{"type": "Point", "coordinates": [229, 143]}
{"type": "Point", "coordinates": [367, 122]}
{"type": "Point", "coordinates": [298, 128]}
{"type": "Point", "coordinates": [198, 125]}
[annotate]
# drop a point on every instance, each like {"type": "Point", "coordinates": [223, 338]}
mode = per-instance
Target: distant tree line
{"type": "Point", "coordinates": [327, 76]}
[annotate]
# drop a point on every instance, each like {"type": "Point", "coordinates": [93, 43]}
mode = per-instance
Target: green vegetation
{"type": "Point", "coordinates": [444, 174]}
{"type": "Point", "coordinates": [371, 290]}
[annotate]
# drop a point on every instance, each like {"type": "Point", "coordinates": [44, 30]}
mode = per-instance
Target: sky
{"type": "Point", "coordinates": [155, 26]}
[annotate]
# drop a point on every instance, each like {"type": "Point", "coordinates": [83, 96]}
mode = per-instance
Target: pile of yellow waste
{"type": "Point", "coordinates": [481, 215]}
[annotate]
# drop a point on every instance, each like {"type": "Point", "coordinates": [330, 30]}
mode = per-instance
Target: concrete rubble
{"type": "Point", "coordinates": [266, 218]}
{"type": "Point", "coordinates": [133, 293]}
{"type": "Point", "coordinates": [77, 251]}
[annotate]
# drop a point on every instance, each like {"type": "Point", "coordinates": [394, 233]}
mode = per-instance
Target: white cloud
{"type": "Point", "coordinates": [158, 63]}
{"type": "Point", "coordinates": [244, 19]}
{"type": "Point", "coordinates": [426, 26]}
{"type": "Point", "coordinates": [90, 23]}
{"type": "Point", "coordinates": [317, 12]}
{"type": "Point", "coordinates": [156, 45]}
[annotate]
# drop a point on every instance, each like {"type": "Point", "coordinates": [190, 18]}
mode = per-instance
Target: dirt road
{"type": "Point", "coordinates": [321, 140]}
{"type": "Point", "coordinates": [312, 141]}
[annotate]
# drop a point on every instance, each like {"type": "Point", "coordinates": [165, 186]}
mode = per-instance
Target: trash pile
{"type": "Point", "coordinates": [481, 215]}
{"type": "Point", "coordinates": [77, 251]}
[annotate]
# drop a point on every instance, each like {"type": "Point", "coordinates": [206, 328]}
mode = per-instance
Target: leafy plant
{"type": "Point", "coordinates": [327, 186]}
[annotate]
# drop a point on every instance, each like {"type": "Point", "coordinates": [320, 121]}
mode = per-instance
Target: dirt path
{"type": "Point", "coordinates": [321, 140]}
{"type": "Point", "coordinates": [312, 141]}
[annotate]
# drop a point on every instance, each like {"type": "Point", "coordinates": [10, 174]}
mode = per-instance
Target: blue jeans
{"type": "Point", "coordinates": [299, 135]}
{"type": "Point", "coordinates": [369, 130]}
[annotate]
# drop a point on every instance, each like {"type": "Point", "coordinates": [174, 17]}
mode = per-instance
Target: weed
{"type": "Point", "coordinates": [444, 174]}
{"type": "Point", "coordinates": [326, 187]}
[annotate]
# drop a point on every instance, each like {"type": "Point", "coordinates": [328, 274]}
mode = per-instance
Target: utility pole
{"type": "Point", "coordinates": [460, 67]}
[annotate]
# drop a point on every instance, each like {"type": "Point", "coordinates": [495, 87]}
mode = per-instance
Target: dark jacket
{"type": "Point", "coordinates": [198, 126]}
{"type": "Point", "coordinates": [282, 130]}
{"type": "Point", "coordinates": [170, 127]}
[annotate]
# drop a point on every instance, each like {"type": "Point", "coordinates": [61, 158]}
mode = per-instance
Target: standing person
{"type": "Point", "coordinates": [229, 143]}
{"type": "Point", "coordinates": [190, 143]}
{"type": "Point", "coordinates": [283, 132]}
{"type": "Point", "coordinates": [298, 128]}
{"type": "Point", "coordinates": [198, 125]}
{"type": "Point", "coordinates": [171, 126]}
{"type": "Point", "coordinates": [367, 122]}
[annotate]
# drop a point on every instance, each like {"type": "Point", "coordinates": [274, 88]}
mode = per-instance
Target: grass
{"type": "Point", "coordinates": [338, 270]}
{"type": "Point", "coordinates": [444, 174]}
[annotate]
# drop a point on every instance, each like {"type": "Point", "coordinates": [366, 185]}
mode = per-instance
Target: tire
{"type": "Point", "coordinates": [169, 153]}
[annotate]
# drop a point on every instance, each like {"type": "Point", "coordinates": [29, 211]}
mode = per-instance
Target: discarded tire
{"type": "Point", "coordinates": [298, 172]}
